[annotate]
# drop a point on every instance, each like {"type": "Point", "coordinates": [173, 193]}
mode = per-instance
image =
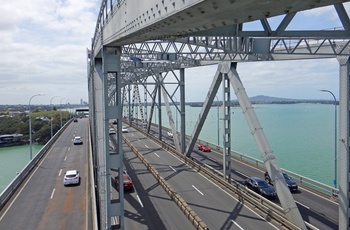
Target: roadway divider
{"type": "Point", "coordinates": [17, 182]}
{"type": "Point", "coordinates": [179, 201]}
{"type": "Point", "coordinates": [264, 207]}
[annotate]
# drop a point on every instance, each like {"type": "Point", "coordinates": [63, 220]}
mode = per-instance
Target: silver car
{"type": "Point", "coordinates": [71, 177]}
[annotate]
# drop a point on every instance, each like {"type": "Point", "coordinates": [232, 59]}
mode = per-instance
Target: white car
{"type": "Point", "coordinates": [71, 177]}
{"type": "Point", "coordinates": [170, 134]}
{"type": "Point", "coordinates": [124, 129]}
{"type": "Point", "coordinates": [77, 141]}
{"type": "Point", "coordinates": [112, 131]}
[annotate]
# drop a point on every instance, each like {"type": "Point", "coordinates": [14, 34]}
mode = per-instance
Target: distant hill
{"type": "Point", "coordinates": [263, 98]}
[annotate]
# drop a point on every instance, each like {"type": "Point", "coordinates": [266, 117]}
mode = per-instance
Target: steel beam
{"type": "Point", "coordinates": [343, 142]}
{"type": "Point", "coordinates": [283, 192]}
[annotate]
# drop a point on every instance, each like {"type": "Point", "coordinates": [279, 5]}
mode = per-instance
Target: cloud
{"type": "Point", "coordinates": [44, 49]}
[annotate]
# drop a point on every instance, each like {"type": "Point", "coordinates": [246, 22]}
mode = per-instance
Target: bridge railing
{"type": "Point", "coordinates": [18, 180]}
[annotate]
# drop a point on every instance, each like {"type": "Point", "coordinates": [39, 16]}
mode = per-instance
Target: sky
{"type": "Point", "coordinates": [43, 51]}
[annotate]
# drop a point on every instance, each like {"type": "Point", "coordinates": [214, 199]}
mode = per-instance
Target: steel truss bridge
{"type": "Point", "coordinates": [139, 54]}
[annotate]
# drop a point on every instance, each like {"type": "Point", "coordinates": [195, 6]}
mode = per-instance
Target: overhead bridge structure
{"type": "Point", "coordinates": [141, 50]}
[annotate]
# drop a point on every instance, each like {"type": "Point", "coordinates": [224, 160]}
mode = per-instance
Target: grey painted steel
{"type": "Point", "coordinates": [226, 125]}
{"type": "Point", "coordinates": [171, 120]}
{"type": "Point", "coordinates": [285, 197]}
{"type": "Point", "coordinates": [147, 20]}
{"type": "Point", "coordinates": [344, 167]}
{"type": "Point", "coordinates": [182, 111]}
{"type": "Point", "coordinates": [204, 112]}
{"type": "Point", "coordinates": [121, 23]}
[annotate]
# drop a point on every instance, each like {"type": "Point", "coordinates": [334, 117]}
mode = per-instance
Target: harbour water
{"type": "Point", "coordinates": [12, 160]}
{"type": "Point", "coordinates": [300, 135]}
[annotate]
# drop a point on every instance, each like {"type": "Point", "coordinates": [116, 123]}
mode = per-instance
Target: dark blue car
{"type": "Point", "coordinates": [260, 186]}
{"type": "Point", "coordinates": [292, 185]}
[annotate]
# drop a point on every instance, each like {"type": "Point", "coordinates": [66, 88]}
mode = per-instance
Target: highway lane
{"type": "Point", "coordinates": [215, 207]}
{"type": "Point", "coordinates": [148, 206]}
{"type": "Point", "coordinates": [314, 209]}
{"type": "Point", "coordinates": [43, 202]}
{"type": "Point", "coordinates": [318, 211]}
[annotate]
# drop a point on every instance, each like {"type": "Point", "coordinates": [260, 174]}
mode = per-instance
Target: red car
{"type": "Point", "coordinates": [127, 182]}
{"type": "Point", "coordinates": [204, 148]}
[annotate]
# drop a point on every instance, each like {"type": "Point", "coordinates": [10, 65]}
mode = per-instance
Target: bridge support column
{"type": "Point", "coordinates": [106, 72]}
{"type": "Point", "coordinates": [182, 111]}
{"type": "Point", "coordinates": [284, 195]}
{"type": "Point", "coordinates": [343, 142]}
{"type": "Point", "coordinates": [226, 151]}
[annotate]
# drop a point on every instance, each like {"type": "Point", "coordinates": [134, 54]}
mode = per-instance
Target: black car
{"type": "Point", "coordinates": [292, 185]}
{"type": "Point", "coordinates": [260, 186]}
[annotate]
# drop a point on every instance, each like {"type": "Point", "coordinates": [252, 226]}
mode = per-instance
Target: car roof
{"type": "Point", "coordinates": [71, 172]}
{"type": "Point", "coordinates": [77, 137]}
{"type": "Point", "coordinates": [257, 179]}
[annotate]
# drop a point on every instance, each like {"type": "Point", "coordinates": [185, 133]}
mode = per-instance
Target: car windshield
{"type": "Point", "coordinates": [286, 176]}
{"type": "Point", "coordinates": [262, 184]}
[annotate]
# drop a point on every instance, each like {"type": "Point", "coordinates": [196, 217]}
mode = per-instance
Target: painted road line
{"type": "Point", "coordinates": [237, 224]}
{"type": "Point", "coordinates": [59, 174]}
{"type": "Point", "coordinates": [173, 169]}
{"type": "Point", "coordinates": [53, 192]}
{"type": "Point", "coordinates": [156, 154]}
{"type": "Point", "coordinates": [140, 201]}
{"type": "Point", "coordinates": [197, 190]}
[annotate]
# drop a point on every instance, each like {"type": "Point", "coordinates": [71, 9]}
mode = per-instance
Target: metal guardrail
{"type": "Point", "coordinates": [18, 180]}
{"type": "Point", "coordinates": [263, 206]}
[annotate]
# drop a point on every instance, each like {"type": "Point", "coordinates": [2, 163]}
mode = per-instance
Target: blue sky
{"type": "Point", "coordinates": [43, 49]}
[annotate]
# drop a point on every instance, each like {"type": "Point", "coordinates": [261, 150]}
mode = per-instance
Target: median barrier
{"type": "Point", "coordinates": [11, 189]}
{"type": "Point", "coordinates": [184, 207]}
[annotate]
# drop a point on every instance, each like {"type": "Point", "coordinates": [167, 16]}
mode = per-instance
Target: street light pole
{"type": "Point", "coordinates": [61, 110]}
{"type": "Point", "coordinates": [30, 124]}
{"type": "Point", "coordinates": [335, 137]}
{"type": "Point", "coordinates": [51, 114]}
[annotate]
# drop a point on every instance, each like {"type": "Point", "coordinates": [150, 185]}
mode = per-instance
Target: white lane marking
{"type": "Point", "coordinates": [65, 158]}
{"type": "Point", "coordinates": [59, 174]}
{"type": "Point", "coordinates": [147, 146]}
{"type": "Point", "coordinates": [68, 148]}
{"type": "Point", "coordinates": [53, 192]}
{"type": "Point", "coordinates": [132, 135]}
{"type": "Point", "coordinates": [302, 205]}
{"type": "Point", "coordinates": [156, 154]}
{"type": "Point", "coordinates": [237, 224]}
{"type": "Point", "coordinates": [173, 169]}
{"type": "Point", "coordinates": [140, 201]}
{"type": "Point", "coordinates": [197, 190]}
